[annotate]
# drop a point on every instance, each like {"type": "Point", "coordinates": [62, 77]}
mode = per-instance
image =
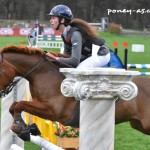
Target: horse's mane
{"type": "Point", "coordinates": [21, 49]}
{"type": "Point", "coordinates": [28, 50]}
{"type": "Point", "coordinates": [31, 50]}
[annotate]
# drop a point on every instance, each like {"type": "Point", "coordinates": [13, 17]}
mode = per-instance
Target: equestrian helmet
{"type": "Point", "coordinates": [61, 11]}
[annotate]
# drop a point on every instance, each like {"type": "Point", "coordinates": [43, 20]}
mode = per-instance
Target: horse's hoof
{"type": "Point", "coordinates": [16, 128]}
{"type": "Point", "coordinates": [34, 129]}
{"type": "Point", "coordinates": [25, 135]}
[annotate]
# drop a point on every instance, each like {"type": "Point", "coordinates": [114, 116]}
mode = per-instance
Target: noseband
{"type": "Point", "coordinates": [9, 88]}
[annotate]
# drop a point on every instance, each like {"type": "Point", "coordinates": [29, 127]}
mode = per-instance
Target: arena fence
{"type": "Point", "coordinates": [44, 41]}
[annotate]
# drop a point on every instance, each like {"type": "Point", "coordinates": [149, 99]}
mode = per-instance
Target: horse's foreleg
{"type": "Point", "coordinates": [11, 109]}
{"type": "Point", "coordinates": [41, 109]}
{"type": "Point", "coordinates": [19, 125]}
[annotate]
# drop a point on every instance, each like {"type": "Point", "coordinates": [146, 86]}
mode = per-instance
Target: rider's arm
{"type": "Point", "coordinates": [75, 52]}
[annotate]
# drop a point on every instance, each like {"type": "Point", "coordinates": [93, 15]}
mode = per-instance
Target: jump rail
{"type": "Point", "coordinates": [139, 66]}
{"type": "Point", "coordinates": [145, 73]}
{"type": "Point", "coordinates": [40, 142]}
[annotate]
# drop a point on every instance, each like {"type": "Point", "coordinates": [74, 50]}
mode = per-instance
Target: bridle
{"type": "Point", "coordinates": [9, 88]}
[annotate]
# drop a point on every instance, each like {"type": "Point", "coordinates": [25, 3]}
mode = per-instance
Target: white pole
{"type": "Point", "coordinates": [15, 147]}
{"type": "Point", "coordinates": [37, 32]}
{"type": "Point", "coordinates": [44, 143]}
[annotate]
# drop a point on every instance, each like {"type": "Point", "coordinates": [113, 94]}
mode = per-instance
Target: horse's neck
{"type": "Point", "coordinates": [44, 76]}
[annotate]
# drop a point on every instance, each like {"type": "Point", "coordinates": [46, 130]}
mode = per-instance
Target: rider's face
{"type": "Point", "coordinates": [54, 21]}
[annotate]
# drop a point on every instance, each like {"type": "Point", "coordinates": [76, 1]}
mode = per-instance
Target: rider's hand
{"type": "Point", "coordinates": [52, 56]}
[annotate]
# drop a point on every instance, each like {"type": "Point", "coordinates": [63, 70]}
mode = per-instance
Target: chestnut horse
{"type": "Point", "coordinates": [44, 78]}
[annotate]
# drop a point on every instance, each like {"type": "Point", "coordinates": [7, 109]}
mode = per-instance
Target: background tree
{"type": "Point", "coordinates": [90, 10]}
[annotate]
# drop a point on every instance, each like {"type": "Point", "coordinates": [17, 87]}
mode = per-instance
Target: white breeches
{"type": "Point", "coordinates": [91, 62]}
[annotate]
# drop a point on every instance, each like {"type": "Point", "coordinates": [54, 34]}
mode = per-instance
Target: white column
{"type": "Point", "coordinates": [97, 119]}
{"type": "Point", "coordinates": [98, 89]}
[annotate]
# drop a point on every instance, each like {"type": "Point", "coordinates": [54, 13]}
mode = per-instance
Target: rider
{"type": "Point", "coordinates": [78, 37]}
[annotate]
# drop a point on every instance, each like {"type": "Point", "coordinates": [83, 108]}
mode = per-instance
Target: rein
{"type": "Point", "coordinates": [9, 88]}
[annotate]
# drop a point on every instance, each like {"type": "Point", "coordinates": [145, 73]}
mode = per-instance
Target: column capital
{"type": "Point", "coordinates": [99, 84]}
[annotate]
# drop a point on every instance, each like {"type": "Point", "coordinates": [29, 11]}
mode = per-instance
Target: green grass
{"type": "Point", "coordinates": [126, 138]}
{"type": "Point", "coordinates": [7, 40]}
{"type": "Point", "coordinates": [31, 146]}
{"type": "Point", "coordinates": [132, 56]}
{"type": "Point", "coordinates": [109, 38]}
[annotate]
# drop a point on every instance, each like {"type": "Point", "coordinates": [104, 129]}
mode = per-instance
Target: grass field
{"type": "Point", "coordinates": [126, 138]}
